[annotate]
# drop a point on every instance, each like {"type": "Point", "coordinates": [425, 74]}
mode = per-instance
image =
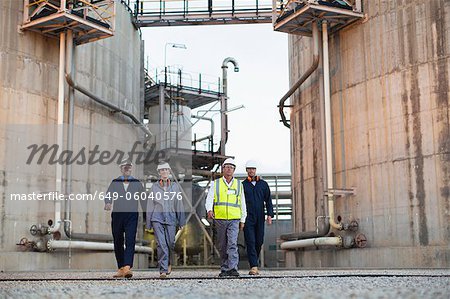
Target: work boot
{"type": "Point", "coordinates": [233, 273]}
{"type": "Point", "coordinates": [169, 270]}
{"type": "Point", "coordinates": [127, 273]}
{"type": "Point", "coordinates": [119, 273]}
{"type": "Point", "coordinates": [223, 273]}
{"type": "Point", "coordinates": [162, 275]}
{"type": "Point", "coordinates": [254, 271]}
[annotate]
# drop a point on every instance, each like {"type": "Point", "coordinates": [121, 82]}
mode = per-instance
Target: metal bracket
{"type": "Point", "coordinates": [340, 192]}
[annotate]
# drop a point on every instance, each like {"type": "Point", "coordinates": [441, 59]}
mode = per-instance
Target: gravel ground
{"type": "Point", "coordinates": [203, 283]}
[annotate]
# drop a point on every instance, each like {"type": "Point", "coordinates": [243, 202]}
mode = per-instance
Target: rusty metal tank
{"type": "Point", "coordinates": [390, 98]}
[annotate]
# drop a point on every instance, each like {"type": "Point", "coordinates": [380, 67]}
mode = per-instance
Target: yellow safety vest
{"type": "Point", "coordinates": [227, 201]}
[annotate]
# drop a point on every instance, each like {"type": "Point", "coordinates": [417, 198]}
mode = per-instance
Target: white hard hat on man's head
{"type": "Point", "coordinates": [125, 163]}
{"type": "Point", "coordinates": [163, 166]}
{"type": "Point", "coordinates": [229, 161]}
{"type": "Point", "coordinates": [251, 164]}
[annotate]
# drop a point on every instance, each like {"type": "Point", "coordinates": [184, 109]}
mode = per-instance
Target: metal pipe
{"type": "Point", "coordinates": [212, 126]}
{"type": "Point", "coordinates": [309, 71]}
{"type": "Point", "coordinates": [224, 103]}
{"type": "Point", "coordinates": [26, 10]}
{"type": "Point", "coordinates": [60, 133]}
{"type": "Point", "coordinates": [161, 115]}
{"type": "Point", "coordinates": [328, 131]}
{"type": "Point", "coordinates": [54, 244]}
{"type": "Point", "coordinates": [69, 69]}
{"type": "Point", "coordinates": [323, 241]}
{"type": "Point", "coordinates": [109, 105]}
{"type": "Point", "coordinates": [68, 208]}
{"type": "Point", "coordinates": [319, 232]}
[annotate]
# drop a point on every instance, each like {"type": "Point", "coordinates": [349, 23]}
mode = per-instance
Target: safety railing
{"type": "Point", "coordinates": [179, 78]}
{"type": "Point", "coordinates": [98, 12]}
{"type": "Point", "coordinates": [185, 7]}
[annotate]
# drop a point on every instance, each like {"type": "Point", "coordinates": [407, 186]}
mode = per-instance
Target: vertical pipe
{"type": "Point", "coordinates": [224, 100]}
{"type": "Point", "coordinates": [63, 5]}
{"type": "Point", "coordinates": [326, 86]}
{"type": "Point", "coordinates": [223, 124]}
{"type": "Point", "coordinates": [60, 132]}
{"type": "Point", "coordinates": [69, 69]}
{"type": "Point", "coordinates": [223, 109]}
{"type": "Point", "coordinates": [328, 131]}
{"type": "Point", "coordinates": [205, 251]}
{"type": "Point", "coordinates": [276, 210]}
{"type": "Point", "coordinates": [152, 245]}
{"type": "Point", "coordinates": [161, 115]}
{"type": "Point", "coordinates": [184, 253]}
{"type": "Point", "coordinates": [26, 11]}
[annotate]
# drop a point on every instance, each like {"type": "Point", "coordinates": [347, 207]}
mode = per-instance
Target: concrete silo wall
{"type": "Point", "coordinates": [390, 77]}
{"type": "Point", "coordinates": [110, 69]}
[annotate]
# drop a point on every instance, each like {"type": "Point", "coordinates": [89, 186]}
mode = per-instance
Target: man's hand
{"type": "Point", "coordinates": [210, 215]}
{"type": "Point", "coordinates": [241, 225]}
{"type": "Point", "coordinates": [269, 220]}
{"type": "Point", "coordinates": [107, 207]}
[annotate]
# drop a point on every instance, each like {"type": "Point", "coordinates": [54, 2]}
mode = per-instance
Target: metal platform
{"type": "Point", "coordinates": [192, 97]}
{"type": "Point", "coordinates": [89, 20]}
{"type": "Point", "coordinates": [296, 16]}
{"type": "Point", "coordinates": [200, 162]}
{"type": "Point", "coordinates": [151, 13]}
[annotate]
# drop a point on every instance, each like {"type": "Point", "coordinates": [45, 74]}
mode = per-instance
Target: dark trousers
{"type": "Point", "coordinates": [124, 227]}
{"type": "Point", "coordinates": [254, 239]}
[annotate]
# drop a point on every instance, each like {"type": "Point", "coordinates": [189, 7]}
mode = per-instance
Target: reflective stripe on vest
{"type": "Point", "coordinates": [227, 206]}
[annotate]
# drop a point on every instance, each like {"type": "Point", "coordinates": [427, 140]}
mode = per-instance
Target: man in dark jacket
{"type": "Point", "coordinates": [123, 196]}
{"type": "Point", "coordinates": [257, 197]}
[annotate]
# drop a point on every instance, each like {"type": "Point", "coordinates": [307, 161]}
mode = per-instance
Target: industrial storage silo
{"type": "Point", "coordinates": [110, 69]}
{"type": "Point", "coordinates": [389, 85]}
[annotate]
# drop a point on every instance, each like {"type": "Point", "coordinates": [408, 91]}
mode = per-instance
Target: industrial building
{"type": "Point", "coordinates": [367, 111]}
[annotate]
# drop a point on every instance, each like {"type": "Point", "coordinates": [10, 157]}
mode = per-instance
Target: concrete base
{"type": "Point", "coordinates": [389, 258]}
{"type": "Point", "coordinates": [63, 260]}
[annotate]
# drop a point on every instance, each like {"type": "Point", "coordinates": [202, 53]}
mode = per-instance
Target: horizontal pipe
{"type": "Point", "coordinates": [319, 232]}
{"type": "Point", "coordinates": [109, 105]}
{"type": "Point", "coordinates": [323, 241]}
{"type": "Point", "coordinates": [56, 244]}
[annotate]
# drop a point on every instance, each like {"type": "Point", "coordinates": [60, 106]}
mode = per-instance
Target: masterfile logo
{"type": "Point", "coordinates": [51, 154]}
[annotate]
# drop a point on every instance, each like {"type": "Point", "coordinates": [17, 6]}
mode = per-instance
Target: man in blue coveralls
{"type": "Point", "coordinates": [123, 195]}
{"type": "Point", "coordinates": [257, 196]}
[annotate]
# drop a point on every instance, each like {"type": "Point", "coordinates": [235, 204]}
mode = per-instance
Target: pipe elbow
{"type": "Point", "coordinates": [233, 61]}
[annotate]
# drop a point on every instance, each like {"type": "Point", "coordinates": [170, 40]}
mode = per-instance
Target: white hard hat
{"type": "Point", "coordinates": [229, 161]}
{"type": "Point", "coordinates": [163, 166]}
{"type": "Point", "coordinates": [251, 164]}
{"type": "Point", "coordinates": [126, 162]}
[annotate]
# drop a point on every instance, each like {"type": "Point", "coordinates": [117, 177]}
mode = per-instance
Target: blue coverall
{"type": "Point", "coordinates": [256, 198]}
{"type": "Point", "coordinates": [165, 210]}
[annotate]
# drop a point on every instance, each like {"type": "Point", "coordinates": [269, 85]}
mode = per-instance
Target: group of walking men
{"type": "Point", "coordinates": [232, 204]}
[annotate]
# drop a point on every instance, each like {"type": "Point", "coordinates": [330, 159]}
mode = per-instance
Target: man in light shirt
{"type": "Point", "coordinates": [225, 204]}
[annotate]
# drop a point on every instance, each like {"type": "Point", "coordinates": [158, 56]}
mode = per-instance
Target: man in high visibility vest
{"type": "Point", "coordinates": [225, 204]}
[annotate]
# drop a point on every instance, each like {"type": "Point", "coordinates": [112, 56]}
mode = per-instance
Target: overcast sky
{"type": "Point", "coordinates": [255, 131]}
